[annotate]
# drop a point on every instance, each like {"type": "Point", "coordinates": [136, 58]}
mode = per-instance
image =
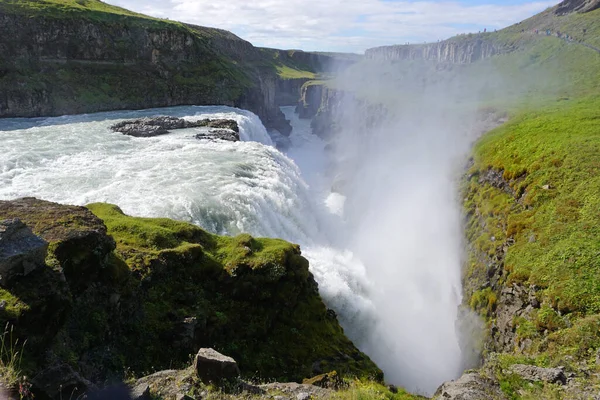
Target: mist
{"type": "Point", "coordinates": [399, 175]}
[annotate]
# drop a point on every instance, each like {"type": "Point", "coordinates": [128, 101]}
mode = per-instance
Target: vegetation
{"type": "Point", "coordinates": [94, 10]}
{"type": "Point", "coordinates": [253, 297]}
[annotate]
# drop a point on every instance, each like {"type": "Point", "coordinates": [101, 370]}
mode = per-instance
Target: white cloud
{"type": "Point", "coordinates": [338, 25]}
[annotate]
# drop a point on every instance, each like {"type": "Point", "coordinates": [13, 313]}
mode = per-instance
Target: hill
{"type": "Point", "coordinates": [73, 56]}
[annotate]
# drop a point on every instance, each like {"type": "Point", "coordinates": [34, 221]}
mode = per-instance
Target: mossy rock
{"type": "Point", "coordinates": [167, 289]}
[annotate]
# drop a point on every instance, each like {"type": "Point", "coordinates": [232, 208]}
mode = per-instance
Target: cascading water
{"type": "Point", "coordinates": [250, 186]}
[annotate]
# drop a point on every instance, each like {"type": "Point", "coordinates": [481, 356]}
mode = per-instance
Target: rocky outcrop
{"type": "Point", "coordinates": [75, 63]}
{"type": "Point", "coordinates": [461, 50]}
{"type": "Point", "coordinates": [93, 310]}
{"type": "Point", "coordinates": [154, 126]}
{"type": "Point", "coordinates": [219, 134]}
{"type": "Point", "coordinates": [539, 374]}
{"type": "Point", "coordinates": [579, 6]}
{"type": "Point", "coordinates": [331, 109]}
{"type": "Point", "coordinates": [21, 251]}
{"type": "Point", "coordinates": [470, 386]}
{"type": "Point", "coordinates": [288, 91]}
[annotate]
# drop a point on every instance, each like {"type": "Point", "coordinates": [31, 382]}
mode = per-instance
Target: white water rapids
{"type": "Point", "coordinates": [250, 186]}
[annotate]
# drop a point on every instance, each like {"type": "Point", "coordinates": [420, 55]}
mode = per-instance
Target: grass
{"type": "Point", "coordinates": [11, 357]}
{"type": "Point", "coordinates": [287, 72]}
{"type": "Point", "coordinates": [95, 10]}
{"type": "Point", "coordinates": [550, 157]}
{"type": "Point", "coordinates": [254, 298]}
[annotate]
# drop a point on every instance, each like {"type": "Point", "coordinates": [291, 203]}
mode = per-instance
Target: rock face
{"type": "Point", "coordinates": [88, 61]}
{"type": "Point", "coordinates": [20, 250]}
{"type": "Point", "coordinates": [538, 374]}
{"type": "Point", "coordinates": [153, 126]}
{"type": "Point", "coordinates": [470, 386]}
{"type": "Point", "coordinates": [580, 6]}
{"type": "Point", "coordinates": [219, 134]}
{"type": "Point", "coordinates": [464, 50]}
{"type": "Point", "coordinates": [212, 366]}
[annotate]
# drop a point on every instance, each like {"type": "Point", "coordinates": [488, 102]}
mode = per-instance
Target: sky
{"type": "Point", "coordinates": [342, 25]}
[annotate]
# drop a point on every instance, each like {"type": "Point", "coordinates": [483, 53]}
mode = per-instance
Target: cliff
{"type": "Point", "coordinates": [87, 56]}
{"type": "Point", "coordinates": [116, 294]}
{"type": "Point", "coordinates": [461, 50]}
{"type": "Point", "coordinates": [579, 6]}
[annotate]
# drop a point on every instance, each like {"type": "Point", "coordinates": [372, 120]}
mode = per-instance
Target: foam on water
{"type": "Point", "coordinates": [227, 188]}
{"type": "Point", "coordinates": [250, 186]}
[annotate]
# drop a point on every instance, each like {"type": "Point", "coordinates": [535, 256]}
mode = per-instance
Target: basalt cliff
{"type": "Point", "coordinates": [89, 56]}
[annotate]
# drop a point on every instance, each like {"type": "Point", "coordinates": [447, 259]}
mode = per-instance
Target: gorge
{"type": "Point", "coordinates": [441, 200]}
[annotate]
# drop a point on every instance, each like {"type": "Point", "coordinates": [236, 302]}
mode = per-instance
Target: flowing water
{"type": "Point", "coordinates": [250, 186]}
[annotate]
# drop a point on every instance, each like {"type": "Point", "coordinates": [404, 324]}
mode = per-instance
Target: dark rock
{"type": "Point", "coordinates": [330, 380]}
{"type": "Point", "coordinates": [212, 366]}
{"type": "Point", "coordinates": [147, 127]}
{"type": "Point", "coordinates": [20, 250]}
{"type": "Point", "coordinates": [393, 389]}
{"type": "Point", "coordinates": [154, 126]}
{"type": "Point", "coordinates": [538, 374]}
{"type": "Point", "coordinates": [219, 134]}
{"type": "Point", "coordinates": [470, 386]}
{"type": "Point", "coordinates": [119, 392]}
{"type": "Point", "coordinates": [81, 244]}
{"type": "Point", "coordinates": [61, 381]}
{"type": "Point", "coordinates": [217, 123]}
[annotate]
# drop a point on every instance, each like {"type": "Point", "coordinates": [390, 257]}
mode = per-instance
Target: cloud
{"type": "Point", "coordinates": [339, 25]}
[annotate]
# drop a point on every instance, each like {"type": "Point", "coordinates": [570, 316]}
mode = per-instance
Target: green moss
{"type": "Point", "coordinates": [547, 234]}
{"type": "Point", "coordinates": [13, 308]}
{"type": "Point", "coordinates": [484, 301]}
{"type": "Point", "coordinates": [251, 298]}
{"type": "Point", "coordinates": [369, 390]}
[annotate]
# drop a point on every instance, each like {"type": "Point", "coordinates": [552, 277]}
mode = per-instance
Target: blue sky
{"type": "Point", "coordinates": [342, 25]}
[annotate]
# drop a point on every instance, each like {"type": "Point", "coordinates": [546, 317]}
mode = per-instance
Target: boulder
{"type": "Point", "coordinates": [538, 374]}
{"type": "Point", "coordinates": [470, 386]}
{"type": "Point", "coordinates": [212, 366]}
{"type": "Point", "coordinates": [21, 251]}
{"type": "Point", "coordinates": [79, 240]}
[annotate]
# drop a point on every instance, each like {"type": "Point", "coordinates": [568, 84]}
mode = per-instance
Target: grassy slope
{"type": "Point", "coordinates": [549, 153]}
{"type": "Point", "coordinates": [239, 287]}
{"type": "Point", "coordinates": [95, 10]}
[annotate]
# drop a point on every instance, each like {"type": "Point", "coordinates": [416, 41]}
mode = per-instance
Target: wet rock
{"type": "Point", "coordinates": [61, 381]}
{"type": "Point", "coordinates": [219, 134]}
{"type": "Point", "coordinates": [154, 126]}
{"type": "Point", "coordinates": [470, 386]}
{"type": "Point", "coordinates": [20, 250]}
{"type": "Point", "coordinates": [538, 374]}
{"type": "Point", "coordinates": [212, 366]}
